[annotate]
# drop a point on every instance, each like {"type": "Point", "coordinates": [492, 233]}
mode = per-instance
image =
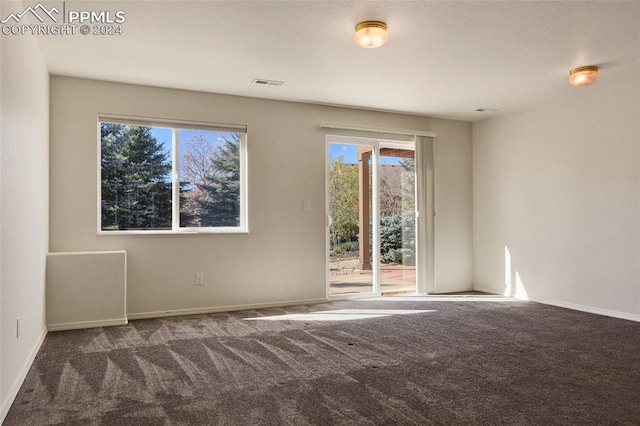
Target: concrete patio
{"type": "Point", "coordinates": [394, 279]}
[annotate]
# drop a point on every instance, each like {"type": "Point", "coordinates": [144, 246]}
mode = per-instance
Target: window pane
{"type": "Point", "coordinates": [350, 208]}
{"type": "Point", "coordinates": [135, 177]}
{"type": "Point", "coordinates": [397, 220]}
{"type": "Point", "coordinates": [209, 178]}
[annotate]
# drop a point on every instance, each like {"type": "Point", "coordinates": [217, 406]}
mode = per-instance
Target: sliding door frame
{"type": "Point", "coordinates": [375, 213]}
{"type": "Point", "coordinates": [425, 278]}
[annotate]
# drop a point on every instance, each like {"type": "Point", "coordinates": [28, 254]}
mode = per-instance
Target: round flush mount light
{"type": "Point", "coordinates": [583, 76]}
{"type": "Point", "coordinates": [371, 34]}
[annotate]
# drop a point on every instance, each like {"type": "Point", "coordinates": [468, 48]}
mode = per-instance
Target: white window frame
{"type": "Point", "coordinates": [176, 126]}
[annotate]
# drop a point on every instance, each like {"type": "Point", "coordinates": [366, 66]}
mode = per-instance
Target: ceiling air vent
{"type": "Point", "coordinates": [266, 82]}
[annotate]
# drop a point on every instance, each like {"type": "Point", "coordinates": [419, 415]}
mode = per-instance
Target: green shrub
{"type": "Point", "coordinates": [397, 239]}
{"type": "Point", "coordinates": [345, 247]}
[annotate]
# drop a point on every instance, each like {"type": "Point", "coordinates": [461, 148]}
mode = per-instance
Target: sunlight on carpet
{"type": "Point", "coordinates": [340, 315]}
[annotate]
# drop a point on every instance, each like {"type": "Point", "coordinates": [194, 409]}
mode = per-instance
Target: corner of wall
{"type": "Point", "coordinates": [556, 192]}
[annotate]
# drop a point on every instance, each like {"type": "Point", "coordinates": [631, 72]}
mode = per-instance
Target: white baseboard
{"type": "Point", "coordinates": [211, 310]}
{"type": "Point", "coordinates": [486, 290]}
{"type": "Point", "coordinates": [452, 289]}
{"type": "Point", "coordinates": [87, 324]}
{"type": "Point", "coordinates": [574, 306]}
{"type": "Point", "coordinates": [15, 387]}
{"type": "Point", "coordinates": [589, 309]}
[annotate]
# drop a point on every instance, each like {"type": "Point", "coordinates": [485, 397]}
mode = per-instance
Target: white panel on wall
{"type": "Point", "coordinates": [86, 289]}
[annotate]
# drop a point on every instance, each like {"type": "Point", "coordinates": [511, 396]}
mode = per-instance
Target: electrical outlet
{"type": "Point", "coordinates": [200, 278]}
{"type": "Point", "coordinates": [17, 328]}
{"type": "Point", "coordinates": [307, 205]}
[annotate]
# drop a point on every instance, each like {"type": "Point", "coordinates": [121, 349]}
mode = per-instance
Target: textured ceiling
{"type": "Point", "coordinates": [443, 59]}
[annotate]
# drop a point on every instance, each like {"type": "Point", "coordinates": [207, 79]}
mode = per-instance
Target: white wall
{"type": "Point", "coordinates": [558, 186]}
{"type": "Point", "coordinates": [283, 258]}
{"type": "Point", "coordinates": [453, 202]}
{"type": "Point", "coordinates": [24, 187]}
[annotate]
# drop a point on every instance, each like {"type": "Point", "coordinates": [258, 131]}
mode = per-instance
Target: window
{"type": "Point", "coordinates": [172, 177]}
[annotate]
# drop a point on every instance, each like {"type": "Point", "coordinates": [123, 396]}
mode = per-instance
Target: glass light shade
{"type": "Point", "coordinates": [371, 34]}
{"type": "Point", "coordinates": [583, 76]}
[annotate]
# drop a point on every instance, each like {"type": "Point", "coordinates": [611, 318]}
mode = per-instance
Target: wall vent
{"type": "Point", "coordinates": [266, 82]}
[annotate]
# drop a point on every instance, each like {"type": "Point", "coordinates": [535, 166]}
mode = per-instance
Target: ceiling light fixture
{"type": "Point", "coordinates": [371, 34]}
{"type": "Point", "coordinates": [583, 76]}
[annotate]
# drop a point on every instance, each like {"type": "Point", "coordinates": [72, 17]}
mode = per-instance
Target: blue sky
{"type": "Point", "coordinates": [163, 135]}
{"type": "Point", "coordinates": [350, 153]}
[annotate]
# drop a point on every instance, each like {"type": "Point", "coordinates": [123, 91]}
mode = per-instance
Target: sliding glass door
{"type": "Point", "coordinates": [351, 201]}
{"type": "Point", "coordinates": [397, 188]}
{"type": "Point", "coordinates": [371, 217]}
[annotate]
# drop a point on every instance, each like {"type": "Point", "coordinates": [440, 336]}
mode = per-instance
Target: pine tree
{"type": "Point", "coordinates": [221, 206]}
{"type": "Point", "coordinates": [136, 189]}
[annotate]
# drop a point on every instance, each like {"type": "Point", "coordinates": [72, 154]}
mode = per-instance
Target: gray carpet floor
{"type": "Point", "coordinates": [405, 361]}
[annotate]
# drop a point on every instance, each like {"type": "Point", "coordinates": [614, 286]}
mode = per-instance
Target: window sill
{"type": "Point", "coordinates": [172, 233]}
